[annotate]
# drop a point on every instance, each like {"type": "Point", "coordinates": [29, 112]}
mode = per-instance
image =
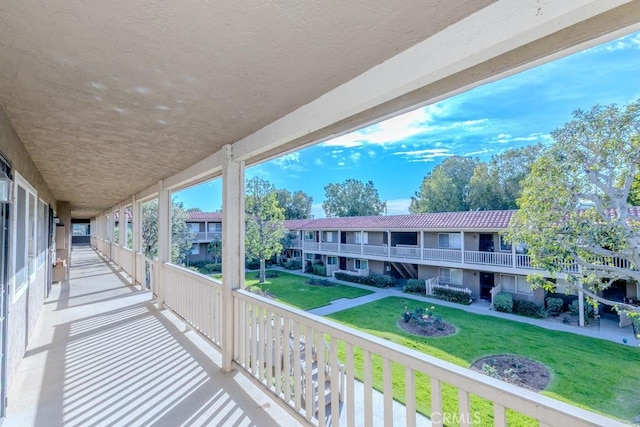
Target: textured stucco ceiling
{"type": "Point", "coordinates": [111, 96]}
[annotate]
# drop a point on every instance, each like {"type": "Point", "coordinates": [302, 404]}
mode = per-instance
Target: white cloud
{"type": "Point", "coordinates": [425, 155]}
{"type": "Point", "coordinates": [317, 211]}
{"type": "Point", "coordinates": [632, 41]}
{"type": "Point", "coordinates": [289, 161]}
{"type": "Point", "coordinates": [398, 206]}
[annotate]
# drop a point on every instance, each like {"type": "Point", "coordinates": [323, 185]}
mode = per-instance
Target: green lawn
{"type": "Point", "coordinates": [293, 290]}
{"type": "Point", "coordinates": [595, 374]}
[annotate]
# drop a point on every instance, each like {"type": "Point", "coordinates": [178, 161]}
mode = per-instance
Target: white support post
{"type": "Point", "coordinates": [421, 244]}
{"type": "Point", "coordinates": [164, 238]}
{"type": "Point", "coordinates": [122, 226]}
{"type": "Point", "coordinates": [136, 238]}
{"type": "Point", "coordinates": [461, 247]}
{"type": "Point", "coordinates": [339, 240]}
{"type": "Point", "coordinates": [361, 242]}
{"type": "Point", "coordinates": [233, 231]}
{"type": "Point", "coordinates": [388, 244]}
{"type": "Point", "coordinates": [581, 305]}
{"type": "Point", "coordinates": [513, 255]}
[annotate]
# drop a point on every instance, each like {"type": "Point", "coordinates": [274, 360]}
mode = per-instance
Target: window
{"type": "Point", "coordinates": [515, 284]}
{"type": "Point", "coordinates": [449, 240]}
{"type": "Point", "coordinates": [25, 237]}
{"type": "Point", "coordinates": [215, 227]}
{"type": "Point", "coordinates": [329, 237]}
{"type": "Point", "coordinates": [332, 260]}
{"type": "Point", "coordinates": [361, 264]}
{"type": "Point", "coordinates": [194, 226]}
{"type": "Point", "coordinates": [309, 235]}
{"type": "Point", "coordinates": [309, 257]}
{"type": "Point", "coordinates": [362, 238]}
{"type": "Point", "coordinates": [451, 276]}
{"type": "Point", "coordinates": [504, 246]}
{"type": "Point", "coordinates": [195, 249]}
{"type": "Point", "coordinates": [43, 238]}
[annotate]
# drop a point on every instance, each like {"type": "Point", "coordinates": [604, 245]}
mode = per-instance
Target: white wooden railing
{"type": "Point", "coordinates": [310, 246]}
{"type": "Point", "coordinates": [378, 250]}
{"type": "Point", "coordinates": [194, 297]}
{"type": "Point", "coordinates": [351, 248]}
{"type": "Point", "coordinates": [495, 291]}
{"type": "Point", "coordinates": [449, 255]}
{"type": "Point", "coordinates": [126, 261]}
{"type": "Point", "coordinates": [434, 283]}
{"type": "Point", "coordinates": [329, 247]}
{"type": "Point", "coordinates": [267, 347]}
{"type": "Point", "coordinates": [207, 235]}
{"type": "Point", "coordinates": [488, 258]}
{"type": "Point", "coordinates": [399, 251]}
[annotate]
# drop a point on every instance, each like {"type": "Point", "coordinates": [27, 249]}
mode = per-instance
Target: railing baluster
{"type": "Point", "coordinates": [277, 351]}
{"type": "Point", "coordinates": [368, 388]}
{"type": "Point", "coordinates": [410, 396]}
{"type": "Point", "coordinates": [297, 368]}
{"type": "Point", "coordinates": [387, 378]}
{"type": "Point", "coordinates": [464, 408]}
{"type": "Point", "coordinates": [499, 416]}
{"type": "Point", "coordinates": [308, 372]}
{"type": "Point", "coordinates": [286, 356]}
{"type": "Point", "coordinates": [322, 380]}
{"type": "Point", "coordinates": [436, 402]}
{"type": "Point", "coordinates": [351, 402]}
{"type": "Point", "coordinates": [337, 382]}
{"type": "Point", "coordinates": [269, 348]}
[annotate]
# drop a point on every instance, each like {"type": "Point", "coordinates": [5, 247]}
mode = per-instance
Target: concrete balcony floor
{"type": "Point", "coordinates": [102, 354]}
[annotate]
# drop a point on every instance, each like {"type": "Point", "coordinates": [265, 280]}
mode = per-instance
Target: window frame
{"type": "Point", "coordinates": [504, 246]}
{"type": "Point", "coordinates": [361, 262]}
{"type": "Point", "coordinates": [28, 231]}
{"type": "Point", "coordinates": [361, 235]}
{"type": "Point", "coordinates": [458, 273]}
{"type": "Point", "coordinates": [519, 282]}
{"type": "Point", "coordinates": [457, 238]}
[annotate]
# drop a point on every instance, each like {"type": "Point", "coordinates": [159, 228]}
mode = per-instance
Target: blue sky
{"type": "Point", "coordinates": [396, 154]}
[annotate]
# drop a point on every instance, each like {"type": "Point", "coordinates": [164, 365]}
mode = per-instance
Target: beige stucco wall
{"type": "Point", "coordinates": [376, 267]}
{"type": "Point", "coordinates": [25, 307]}
{"type": "Point", "coordinates": [431, 240]}
{"type": "Point", "coordinates": [376, 238]}
{"type": "Point", "coordinates": [471, 241]}
{"type": "Point", "coordinates": [471, 280]}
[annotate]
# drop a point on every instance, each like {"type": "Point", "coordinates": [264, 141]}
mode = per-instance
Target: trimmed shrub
{"type": "Point", "coordinates": [415, 286]}
{"type": "Point", "coordinates": [525, 308]}
{"type": "Point", "coordinates": [452, 295]}
{"type": "Point", "coordinates": [253, 264]}
{"type": "Point", "coordinates": [554, 305]}
{"type": "Point", "coordinates": [503, 302]}
{"type": "Point", "coordinates": [321, 282]}
{"type": "Point", "coordinates": [319, 270]}
{"type": "Point", "coordinates": [293, 264]}
{"type": "Point", "coordinates": [635, 321]}
{"type": "Point", "coordinates": [373, 279]}
{"type": "Point", "coordinates": [270, 274]}
{"type": "Point", "coordinates": [574, 308]}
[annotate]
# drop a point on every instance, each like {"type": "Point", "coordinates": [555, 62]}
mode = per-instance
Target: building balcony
{"type": "Point", "coordinates": [313, 367]}
{"type": "Point", "coordinates": [207, 236]}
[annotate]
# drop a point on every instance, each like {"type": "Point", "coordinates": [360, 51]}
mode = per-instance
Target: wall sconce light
{"type": "Point", "coordinates": [6, 185]}
{"type": "Point", "coordinates": [56, 220]}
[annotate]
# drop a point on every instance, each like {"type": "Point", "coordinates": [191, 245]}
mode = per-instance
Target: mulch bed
{"type": "Point", "coordinates": [432, 332]}
{"type": "Point", "coordinates": [516, 370]}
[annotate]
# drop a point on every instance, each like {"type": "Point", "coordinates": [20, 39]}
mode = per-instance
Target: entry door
{"type": "Point", "coordinates": [486, 243]}
{"type": "Point", "coordinates": [343, 263]}
{"type": "Point", "coordinates": [4, 293]}
{"type": "Point", "coordinates": [486, 284]}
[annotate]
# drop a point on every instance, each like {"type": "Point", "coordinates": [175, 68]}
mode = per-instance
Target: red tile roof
{"type": "Point", "coordinates": [204, 216]}
{"type": "Point", "coordinates": [435, 221]}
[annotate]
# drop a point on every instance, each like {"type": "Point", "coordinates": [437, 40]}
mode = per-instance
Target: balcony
{"type": "Point", "coordinates": [268, 345]}
{"type": "Point", "coordinates": [207, 236]}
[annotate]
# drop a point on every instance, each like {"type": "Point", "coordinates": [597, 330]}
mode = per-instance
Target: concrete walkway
{"type": "Point", "coordinates": [607, 328]}
{"type": "Point", "coordinates": [102, 354]}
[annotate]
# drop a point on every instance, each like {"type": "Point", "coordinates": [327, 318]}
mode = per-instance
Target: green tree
{"type": "Point", "coordinates": [574, 207]}
{"type": "Point", "coordinates": [182, 238]}
{"type": "Point", "coordinates": [215, 249]}
{"type": "Point", "coordinates": [484, 191]}
{"type": "Point", "coordinates": [352, 198]}
{"type": "Point", "coordinates": [265, 222]}
{"type": "Point", "coordinates": [296, 205]}
{"type": "Point", "coordinates": [446, 188]}
{"type": "Point", "coordinates": [509, 170]}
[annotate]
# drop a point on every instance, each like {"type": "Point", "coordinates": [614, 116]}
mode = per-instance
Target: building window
{"type": "Point", "coordinates": [504, 246]}
{"type": "Point", "coordinates": [329, 237]}
{"type": "Point", "coordinates": [195, 249]}
{"type": "Point", "coordinates": [515, 284]}
{"type": "Point", "coordinates": [215, 227]}
{"type": "Point", "coordinates": [332, 260]}
{"type": "Point", "coordinates": [452, 276]}
{"type": "Point", "coordinates": [361, 264]}
{"type": "Point", "coordinates": [25, 237]}
{"type": "Point", "coordinates": [309, 257]}
{"type": "Point", "coordinates": [449, 240]}
{"type": "Point", "coordinates": [362, 238]}
{"type": "Point", "coordinates": [194, 226]}
{"type": "Point", "coordinates": [309, 235]}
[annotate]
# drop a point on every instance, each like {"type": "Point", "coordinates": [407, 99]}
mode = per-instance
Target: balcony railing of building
{"type": "Point", "coordinates": [207, 236]}
{"type": "Point", "coordinates": [318, 368]}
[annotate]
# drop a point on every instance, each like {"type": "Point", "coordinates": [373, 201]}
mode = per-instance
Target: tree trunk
{"type": "Point", "coordinates": [263, 274]}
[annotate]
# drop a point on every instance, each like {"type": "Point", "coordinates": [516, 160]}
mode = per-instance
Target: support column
{"type": "Point", "coordinates": [164, 239]}
{"type": "Point", "coordinates": [462, 247]}
{"type": "Point", "coordinates": [581, 305]}
{"type": "Point", "coordinates": [136, 238]}
{"type": "Point", "coordinates": [233, 232]}
{"type": "Point", "coordinates": [513, 254]}
{"type": "Point", "coordinates": [421, 244]}
{"type": "Point", "coordinates": [122, 226]}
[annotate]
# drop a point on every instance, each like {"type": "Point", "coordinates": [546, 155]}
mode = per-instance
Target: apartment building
{"type": "Point", "coordinates": [207, 227]}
